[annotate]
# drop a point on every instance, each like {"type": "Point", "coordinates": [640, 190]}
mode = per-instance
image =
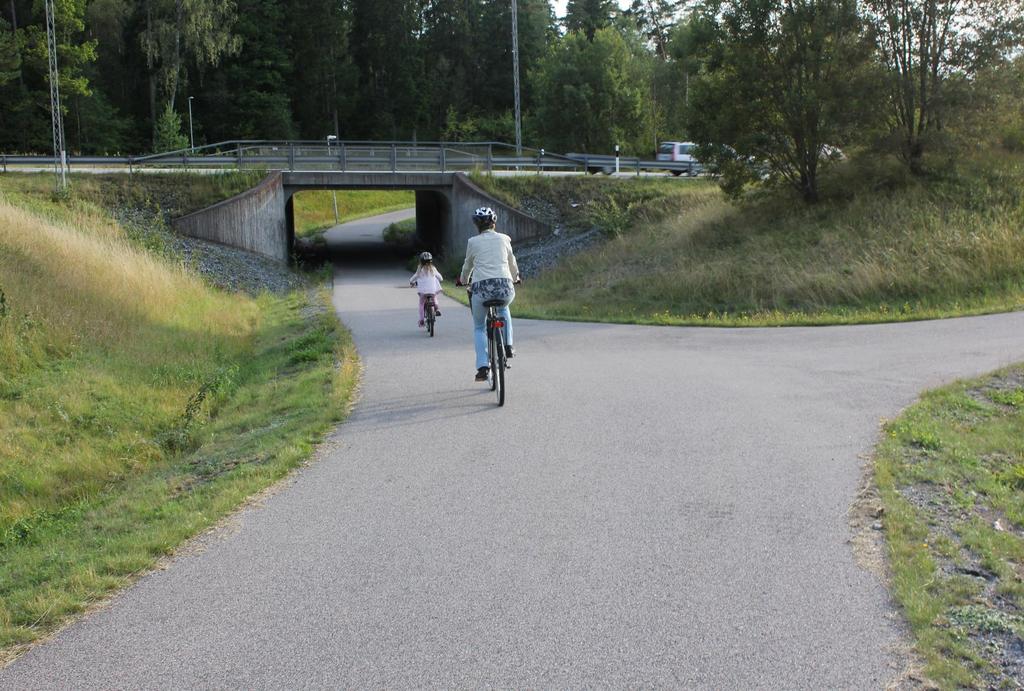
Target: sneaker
{"type": "Point", "coordinates": [481, 374]}
{"type": "Point", "coordinates": [437, 313]}
{"type": "Point", "coordinates": [421, 323]}
{"type": "Point", "coordinates": [510, 352]}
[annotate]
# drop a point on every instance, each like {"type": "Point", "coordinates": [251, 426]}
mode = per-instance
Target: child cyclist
{"type": "Point", "coordinates": [427, 280]}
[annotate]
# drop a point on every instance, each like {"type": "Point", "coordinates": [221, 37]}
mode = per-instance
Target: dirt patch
{"type": "Point", "coordinates": [869, 550]}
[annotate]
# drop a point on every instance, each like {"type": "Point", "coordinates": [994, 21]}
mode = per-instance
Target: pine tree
{"type": "Point", "coordinates": [247, 97]}
{"type": "Point", "coordinates": [167, 134]}
{"type": "Point", "coordinates": [587, 16]}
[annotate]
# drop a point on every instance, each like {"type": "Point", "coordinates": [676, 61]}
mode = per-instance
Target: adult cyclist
{"type": "Point", "coordinates": [492, 266]}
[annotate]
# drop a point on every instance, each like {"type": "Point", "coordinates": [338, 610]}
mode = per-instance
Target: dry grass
{"type": "Point", "coordinates": [65, 293]}
{"type": "Point", "coordinates": [137, 405]}
{"type": "Point", "coordinates": [880, 249]}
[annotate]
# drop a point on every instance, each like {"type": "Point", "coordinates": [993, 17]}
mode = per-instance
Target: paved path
{"type": "Point", "coordinates": [653, 507]}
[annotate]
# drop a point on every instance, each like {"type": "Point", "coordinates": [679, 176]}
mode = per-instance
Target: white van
{"type": "Point", "coordinates": [680, 152]}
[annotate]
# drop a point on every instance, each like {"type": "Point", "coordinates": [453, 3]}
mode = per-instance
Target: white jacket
{"type": "Point", "coordinates": [489, 255]}
{"type": "Point", "coordinates": [427, 282]}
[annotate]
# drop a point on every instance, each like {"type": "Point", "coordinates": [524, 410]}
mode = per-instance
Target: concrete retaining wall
{"type": "Point", "coordinates": [253, 220]}
{"type": "Point", "coordinates": [467, 197]}
{"type": "Point", "coordinates": [259, 220]}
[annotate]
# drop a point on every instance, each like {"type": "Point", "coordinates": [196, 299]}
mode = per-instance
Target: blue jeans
{"type": "Point", "coordinates": [480, 328]}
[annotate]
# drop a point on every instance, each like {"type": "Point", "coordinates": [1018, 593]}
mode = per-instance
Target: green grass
{"type": "Point", "coordinates": [174, 193]}
{"type": "Point", "coordinates": [948, 469]}
{"type": "Point", "coordinates": [314, 210]}
{"type": "Point", "coordinates": [401, 234]}
{"type": "Point", "coordinates": [881, 247]}
{"type": "Point", "coordinates": [137, 404]}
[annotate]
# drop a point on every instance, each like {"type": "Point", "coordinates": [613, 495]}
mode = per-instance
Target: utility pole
{"type": "Point", "coordinates": [515, 76]}
{"type": "Point", "coordinates": [59, 154]}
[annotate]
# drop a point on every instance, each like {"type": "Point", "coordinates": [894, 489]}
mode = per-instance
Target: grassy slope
{"type": "Point", "coordinates": [314, 210]}
{"type": "Point", "coordinates": [882, 247]}
{"type": "Point", "coordinates": [137, 405]}
{"type": "Point", "coordinates": [176, 193]}
{"type": "Point", "coordinates": [948, 469]}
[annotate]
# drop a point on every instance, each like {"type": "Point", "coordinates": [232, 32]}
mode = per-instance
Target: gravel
{"type": "Point", "coordinates": [540, 255]}
{"type": "Point", "coordinates": [226, 267]}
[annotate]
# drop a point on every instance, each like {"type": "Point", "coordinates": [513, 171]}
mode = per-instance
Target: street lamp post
{"type": "Point", "coordinates": [334, 193]}
{"type": "Point", "coordinates": [191, 133]}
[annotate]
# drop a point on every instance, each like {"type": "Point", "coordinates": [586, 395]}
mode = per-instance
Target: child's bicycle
{"type": "Point", "coordinates": [429, 310]}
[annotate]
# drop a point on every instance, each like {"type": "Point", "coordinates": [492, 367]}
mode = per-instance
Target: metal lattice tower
{"type": "Point", "coordinates": [515, 76]}
{"type": "Point", "coordinates": [59, 153]}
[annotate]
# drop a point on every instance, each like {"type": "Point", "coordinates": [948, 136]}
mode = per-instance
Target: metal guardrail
{"type": "Point", "coordinates": [360, 156]}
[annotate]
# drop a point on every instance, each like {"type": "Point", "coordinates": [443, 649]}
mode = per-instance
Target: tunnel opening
{"type": "Point", "coordinates": [432, 215]}
{"type": "Point", "coordinates": [359, 234]}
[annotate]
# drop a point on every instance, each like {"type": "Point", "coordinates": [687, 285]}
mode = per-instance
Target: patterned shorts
{"type": "Point", "coordinates": [494, 289]}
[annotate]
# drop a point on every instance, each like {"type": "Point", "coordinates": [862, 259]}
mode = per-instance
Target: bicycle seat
{"type": "Point", "coordinates": [495, 303]}
{"type": "Point", "coordinates": [428, 295]}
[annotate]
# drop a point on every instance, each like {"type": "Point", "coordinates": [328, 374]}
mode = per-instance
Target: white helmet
{"type": "Point", "coordinates": [485, 216]}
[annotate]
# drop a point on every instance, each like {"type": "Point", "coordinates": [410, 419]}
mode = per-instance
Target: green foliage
{"type": "Point", "coordinates": [588, 16]}
{"type": "Point", "coordinates": [401, 234]}
{"type": "Point", "coordinates": [168, 135]}
{"type": "Point", "coordinates": [783, 85]}
{"type": "Point", "coordinates": [382, 69]}
{"type": "Point", "coordinates": [952, 513]}
{"type": "Point", "coordinates": [880, 246]}
{"type": "Point", "coordinates": [590, 94]}
{"type": "Point", "coordinates": [24, 73]}
{"type": "Point", "coordinates": [932, 51]}
{"type": "Point", "coordinates": [177, 34]}
{"type": "Point", "coordinates": [314, 210]}
{"type": "Point", "coordinates": [140, 407]}
{"type": "Point", "coordinates": [10, 58]}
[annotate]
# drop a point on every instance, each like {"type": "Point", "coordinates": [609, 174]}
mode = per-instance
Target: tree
{"type": "Point", "coordinates": [590, 95]}
{"type": "Point", "coordinates": [167, 133]}
{"type": "Point", "coordinates": [655, 19]}
{"type": "Point", "coordinates": [388, 59]}
{"type": "Point", "coordinates": [784, 82]}
{"type": "Point", "coordinates": [927, 43]}
{"type": "Point", "coordinates": [588, 16]}
{"type": "Point", "coordinates": [182, 32]}
{"type": "Point", "coordinates": [450, 65]}
{"type": "Point", "coordinates": [25, 100]}
{"type": "Point", "coordinates": [247, 97]}
{"type": "Point", "coordinates": [10, 57]}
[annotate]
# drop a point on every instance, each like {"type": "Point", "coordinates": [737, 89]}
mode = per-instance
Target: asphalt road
{"type": "Point", "coordinates": [652, 507]}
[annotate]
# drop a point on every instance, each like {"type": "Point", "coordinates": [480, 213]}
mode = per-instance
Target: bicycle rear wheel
{"type": "Point", "coordinates": [491, 355]}
{"type": "Point", "coordinates": [498, 365]}
{"type": "Point", "coordinates": [429, 309]}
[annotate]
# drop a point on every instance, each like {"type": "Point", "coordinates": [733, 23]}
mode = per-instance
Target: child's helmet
{"type": "Point", "coordinates": [426, 257]}
{"type": "Point", "coordinates": [484, 216]}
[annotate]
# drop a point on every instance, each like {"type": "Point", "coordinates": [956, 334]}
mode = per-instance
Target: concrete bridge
{"type": "Point", "coordinates": [262, 220]}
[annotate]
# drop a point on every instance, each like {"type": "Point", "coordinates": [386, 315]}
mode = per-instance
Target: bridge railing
{"type": "Point", "coordinates": [364, 157]}
{"type": "Point", "coordinates": [359, 156]}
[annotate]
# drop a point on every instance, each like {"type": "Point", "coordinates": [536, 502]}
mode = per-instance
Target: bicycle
{"type": "Point", "coordinates": [429, 312]}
